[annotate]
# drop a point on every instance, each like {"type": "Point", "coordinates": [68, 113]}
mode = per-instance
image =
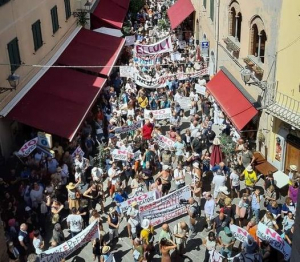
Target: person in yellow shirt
{"type": "Point", "coordinates": [147, 232]}
{"type": "Point", "coordinates": [142, 101]}
{"type": "Point", "coordinates": [250, 178]}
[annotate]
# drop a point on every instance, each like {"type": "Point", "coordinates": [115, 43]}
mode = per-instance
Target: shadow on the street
{"type": "Point", "coordinates": [119, 254]}
{"type": "Point", "coordinates": [78, 259]}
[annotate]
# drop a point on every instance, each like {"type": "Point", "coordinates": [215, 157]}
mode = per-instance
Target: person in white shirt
{"type": "Point", "coordinates": [75, 222]}
{"type": "Point", "coordinates": [97, 174]}
{"type": "Point", "coordinates": [36, 195]}
{"type": "Point", "coordinates": [209, 209]}
{"type": "Point", "coordinates": [219, 180]}
{"type": "Point", "coordinates": [82, 164]}
{"type": "Point", "coordinates": [235, 183]}
{"type": "Point", "coordinates": [195, 128]}
{"type": "Point", "coordinates": [38, 242]}
{"type": "Point", "coordinates": [179, 176]}
{"type": "Point", "coordinates": [114, 175]}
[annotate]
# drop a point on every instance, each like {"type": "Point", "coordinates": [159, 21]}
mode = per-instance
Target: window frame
{"type": "Point", "coordinates": [205, 4]}
{"type": "Point", "coordinates": [14, 54]}
{"type": "Point", "coordinates": [68, 11]}
{"type": "Point", "coordinates": [54, 19]}
{"type": "Point", "coordinates": [37, 35]}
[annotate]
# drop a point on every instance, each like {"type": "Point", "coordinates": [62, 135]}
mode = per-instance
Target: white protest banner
{"type": "Point", "coordinates": [184, 102]}
{"type": "Point", "coordinates": [163, 46]}
{"type": "Point", "coordinates": [274, 239]}
{"type": "Point", "coordinates": [176, 56]}
{"type": "Point", "coordinates": [215, 256]}
{"type": "Point", "coordinates": [137, 154]}
{"type": "Point", "coordinates": [127, 71]}
{"type": "Point", "coordinates": [78, 151]}
{"type": "Point", "coordinates": [126, 129]}
{"type": "Point", "coordinates": [58, 253]}
{"type": "Point", "coordinates": [142, 199]}
{"type": "Point", "coordinates": [182, 44]}
{"type": "Point", "coordinates": [239, 233]}
{"type": "Point", "coordinates": [28, 147]}
{"type": "Point", "coordinates": [165, 208]}
{"type": "Point", "coordinates": [118, 154]}
{"type": "Point", "coordinates": [144, 61]}
{"type": "Point", "coordinates": [129, 40]}
{"type": "Point", "coordinates": [158, 114]}
{"type": "Point", "coordinates": [164, 142]}
{"type": "Point", "coordinates": [200, 89]}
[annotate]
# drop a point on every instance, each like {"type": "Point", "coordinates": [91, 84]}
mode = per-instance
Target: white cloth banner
{"type": "Point", "coordinates": [56, 254]}
{"type": "Point", "coordinates": [129, 40]}
{"type": "Point", "coordinates": [78, 151]}
{"type": "Point", "coordinates": [215, 256]}
{"type": "Point", "coordinates": [158, 114]}
{"type": "Point", "coordinates": [200, 89]}
{"type": "Point", "coordinates": [274, 239]}
{"type": "Point", "coordinates": [142, 199]}
{"type": "Point", "coordinates": [175, 56]}
{"type": "Point", "coordinates": [239, 233]}
{"type": "Point", "coordinates": [184, 102]}
{"type": "Point", "coordinates": [127, 71]}
{"type": "Point", "coordinates": [164, 142]}
{"type": "Point", "coordinates": [163, 46]}
{"type": "Point", "coordinates": [118, 154]}
{"type": "Point", "coordinates": [28, 147]}
{"type": "Point", "coordinates": [126, 129]}
{"type": "Point", "coordinates": [165, 208]}
{"type": "Point", "coordinates": [144, 61]}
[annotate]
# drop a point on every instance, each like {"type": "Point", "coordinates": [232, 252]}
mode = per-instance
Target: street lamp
{"type": "Point", "coordinates": [246, 75]}
{"type": "Point", "coordinates": [88, 5]}
{"type": "Point", "coordinates": [13, 81]}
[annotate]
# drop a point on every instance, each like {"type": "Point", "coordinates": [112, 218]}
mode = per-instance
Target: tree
{"type": "Point", "coordinates": [227, 146]}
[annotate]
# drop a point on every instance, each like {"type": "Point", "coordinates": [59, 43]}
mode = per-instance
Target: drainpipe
{"type": "Point", "coordinates": [217, 35]}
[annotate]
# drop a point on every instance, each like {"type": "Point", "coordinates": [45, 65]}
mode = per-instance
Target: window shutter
{"type": "Point", "coordinates": [212, 9]}
{"type": "Point", "coordinates": [54, 19]}
{"type": "Point", "coordinates": [67, 9]}
{"type": "Point", "coordinates": [204, 3]}
{"type": "Point", "coordinates": [14, 54]}
{"type": "Point", "coordinates": [37, 35]}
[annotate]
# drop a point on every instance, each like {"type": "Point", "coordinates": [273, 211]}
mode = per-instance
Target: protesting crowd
{"type": "Point", "coordinates": [156, 139]}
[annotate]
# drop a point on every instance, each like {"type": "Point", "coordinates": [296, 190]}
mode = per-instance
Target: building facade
{"type": "Point", "coordinates": [32, 32]}
{"type": "Point", "coordinates": [243, 34]}
{"type": "Point", "coordinates": [284, 100]}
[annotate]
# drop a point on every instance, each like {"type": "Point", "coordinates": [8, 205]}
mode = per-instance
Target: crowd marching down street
{"type": "Point", "coordinates": [149, 153]}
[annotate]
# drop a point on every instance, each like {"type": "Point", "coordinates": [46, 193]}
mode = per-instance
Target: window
{"type": "Point", "coordinates": [14, 54]}
{"type": "Point", "coordinates": [212, 9]}
{"type": "Point", "coordinates": [235, 24]}
{"type": "Point", "coordinates": [37, 35]}
{"type": "Point", "coordinates": [54, 19]}
{"type": "Point", "coordinates": [67, 9]}
{"type": "Point", "coordinates": [2, 2]}
{"type": "Point", "coordinates": [204, 3]}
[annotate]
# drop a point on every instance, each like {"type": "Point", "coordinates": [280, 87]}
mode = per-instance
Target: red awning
{"type": "Point", "coordinates": [235, 105]}
{"type": "Point", "coordinates": [90, 48]}
{"type": "Point", "coordinates": [180, 11]}
{"type": "Point", "coordinates": [58, 102]}
{"type": "Point", "coordinates": [109, 13]}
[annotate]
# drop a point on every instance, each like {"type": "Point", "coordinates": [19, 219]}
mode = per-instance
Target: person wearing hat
{"type": "Point", "coordinates": [293, 175]}
{"type": "Point", "coordinates": [113, 221]}
{"type": "Point", "coordinates": [147, 232]}
{"type": "Point", "coordinates": [249, 251]}
{"type": "Point", "coordinates": [73, 195]}
{"type": "Point", "coordinates": [105, 253]}
{"type": "Point", "coordinates": [226, 241]}
{"type": "Point", "coordinates": [196, 172]}
{"type": "Point", "coordinates": [133, 222]}
{"type": "Point", "coordinates": [250, 178]}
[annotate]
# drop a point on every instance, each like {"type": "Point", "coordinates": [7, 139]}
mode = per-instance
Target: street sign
{"type": "Point", "coordinates": [44, 140]}
{"type": "Point", "coordinates": [204, 48]}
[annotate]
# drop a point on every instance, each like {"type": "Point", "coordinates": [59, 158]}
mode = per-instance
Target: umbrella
{"type": "Point", "coordinates": [216, 154]}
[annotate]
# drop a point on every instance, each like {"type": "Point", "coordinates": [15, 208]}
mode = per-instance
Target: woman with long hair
{"type": "Point", "coordinates": [165, 247]}
{"type": "Point", "coordinates": [210, 243]}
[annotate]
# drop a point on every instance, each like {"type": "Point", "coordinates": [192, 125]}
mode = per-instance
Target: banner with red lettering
{"type": "Point", "coordinates": [126, 129]}
{"type": "Point", "coordinates": [78, 151]}
{"type": "Point", "coordinates": [163, 46]}
{"type": "Point", "coordinates": [159, 114]}
{"type": "Point", "coordinates": [142, 199]}
{"type": "Point", "coordinates": [164, 142]}
{"type": "Point", "coordinates": [274, 239]}
{"type": "Point", "coordinates": [28, 147]}
{"type": "Point", "coordinates": [165, 208]}
{"type": "Point", "coordinates": [123, 155]}
{"type": "Point", "coordinates": [239, 233]}
{"type": "Point", "coordinates": [60, 252]}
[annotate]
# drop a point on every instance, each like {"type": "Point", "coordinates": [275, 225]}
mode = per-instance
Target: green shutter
{"type": "Point", "coordinates": [54, 19]}
{"type": "Point", "coordinates": [212, 9]}
{"type": "Point", "coordinates": [14, 54]}
{"type": "Point", "coordinates": [67, 9]}
{"type": "Point", "coordinates": [37, 35]}
{"type": "Point", "coordinates": [204, 3]}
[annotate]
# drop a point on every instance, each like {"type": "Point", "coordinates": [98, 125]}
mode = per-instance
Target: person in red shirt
{"type": "Point", "coordinates": [147, 130]}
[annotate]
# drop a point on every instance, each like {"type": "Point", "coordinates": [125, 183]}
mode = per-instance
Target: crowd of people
{"type": "Point", "coordinates": [71, 190]}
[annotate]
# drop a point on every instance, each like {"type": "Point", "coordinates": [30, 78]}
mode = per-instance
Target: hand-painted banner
{"type": "Point", "coordinates": [127, 71]}
{"type": "Point", "coordinates": [141, 200]}
{"type": "Point", "coordinates": [78, 151]}
{"type": "Point", "coordinates": [200, 89]}
{"type": "Point", "coordinates": [160, 47]}
{"type": "Point", "coordinates": [159, 114]}
{"type": "Point", "coordinates": [161, 81]}
{"type": "Point", "coordinates": [28, 147]}
{"type": "Point", "coordinates": [165, 208]}
{"type": "Point", "coordinates": [215, 256]}
{"type": "Point", "coordinates": [123, 155]}
{"type": "Point", "coordinates": [164, 142]}
{"type": "Point", "coordinates": [129, 40]}
{"type": "Point", "coordinates": [184, 102]}
{"type": "Point", "coordinates": [143, 61]}
{"type": "Point", "coordinates": [274, 239]}
{"type": "Point", "coordinates": [239, 233]}
{"type": "Point", "coordinates": [60, 252]}
{"type": "Point", "coordinates": [126, 129]}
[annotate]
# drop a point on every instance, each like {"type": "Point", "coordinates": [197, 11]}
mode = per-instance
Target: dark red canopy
{"type": "Point", "coordinates": [180, 11]}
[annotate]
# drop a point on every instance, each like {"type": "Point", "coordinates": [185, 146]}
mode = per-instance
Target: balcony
{"type": "Point", "coordinates": [283, 107]}
{"type": "Point", "coordinates": [232, 44]}
{"type": "Point", "coordinates": [255, 66]}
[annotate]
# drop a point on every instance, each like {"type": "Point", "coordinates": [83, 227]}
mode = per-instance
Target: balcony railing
{"type": "Point", "coordinates": [283, 107]}
{"type": "Point", "coordinates": [254, 65]}
{"type": "Point", "coordinates": [232, 44]}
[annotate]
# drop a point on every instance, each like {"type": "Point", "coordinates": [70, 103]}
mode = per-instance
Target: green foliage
{"type": "Point", "coordinates": [135, 6]}
{"type": "Point", "coordinates": [163, 24]}
{"type": "Point", "coordinates": [99, 159]}
{"type": "Point", "coordinates": [82, 18]}
{"type": "Point", "coordinates": [227, 145]}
